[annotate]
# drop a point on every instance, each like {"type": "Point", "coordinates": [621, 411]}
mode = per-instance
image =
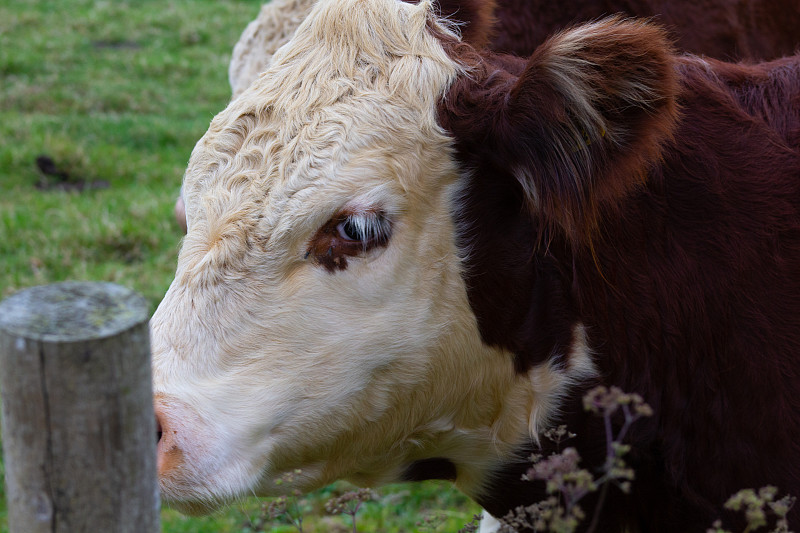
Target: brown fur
{"type": "Point", "coordinates": [756, 30]}
{"type": "Point", "coordinates": [476, 18]}
{"type": "Point", "coordinates": [674, 238]}
{"type": "Point", "coordinates": [592, 111]}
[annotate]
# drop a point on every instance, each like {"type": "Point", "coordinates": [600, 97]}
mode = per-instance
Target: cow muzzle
{"type": "Point", "coordinates": [169, 453]}
{"type": "Point", "coordinates": [185, 458]}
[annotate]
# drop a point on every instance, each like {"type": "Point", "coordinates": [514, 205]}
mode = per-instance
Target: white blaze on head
{"type": "Point", "coordinates": [284, 343]}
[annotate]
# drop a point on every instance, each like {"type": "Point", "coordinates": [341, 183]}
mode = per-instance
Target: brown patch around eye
{"type": "Point", "coordinates": [329, 248]}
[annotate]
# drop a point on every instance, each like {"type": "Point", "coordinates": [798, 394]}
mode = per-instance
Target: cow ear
{"type": "Point", "coordinates": [580, 123]}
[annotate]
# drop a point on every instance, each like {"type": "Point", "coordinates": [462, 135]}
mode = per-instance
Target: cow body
{"type": "Point", "coordinates": [689, 293]}
{"type": "Point", "coordinates": [754, 30]}
{"type": "Point", "coordinates": [407, 257]}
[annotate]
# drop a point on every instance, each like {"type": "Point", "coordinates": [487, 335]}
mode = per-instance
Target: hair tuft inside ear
{"type": "Point", "coordinates": [588, 117]}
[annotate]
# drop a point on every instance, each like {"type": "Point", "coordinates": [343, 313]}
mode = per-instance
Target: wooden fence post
{"type": "Point", "coordinates": [79, 431]}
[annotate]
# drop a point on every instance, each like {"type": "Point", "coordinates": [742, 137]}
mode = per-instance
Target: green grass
{"type": "Point", "coordinates": [119, 91]}
{"type": "Point", "coordinates": [399, 508]}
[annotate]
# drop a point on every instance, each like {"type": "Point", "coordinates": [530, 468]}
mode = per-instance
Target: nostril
{"type": "Point", "coordinates": [159, 431]}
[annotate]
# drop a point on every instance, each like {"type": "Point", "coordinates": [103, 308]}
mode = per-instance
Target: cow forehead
{"type": "Point", "coordinates": [347, 105]}
{"type": "Point", "coordinates": [345, 114]}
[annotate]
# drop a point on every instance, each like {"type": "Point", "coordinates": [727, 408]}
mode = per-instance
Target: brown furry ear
{"type": "Point", "coordinates": [580, 124]}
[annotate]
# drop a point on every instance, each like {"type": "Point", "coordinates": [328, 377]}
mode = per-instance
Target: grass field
{"type": "Point", "coordinates": [115, 94]}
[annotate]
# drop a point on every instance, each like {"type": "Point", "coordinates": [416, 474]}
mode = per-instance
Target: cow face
{"type": "Point", "coordinates": [319, 319]}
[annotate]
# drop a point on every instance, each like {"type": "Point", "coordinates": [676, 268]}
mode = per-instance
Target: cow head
{"type": "Point", "coordinates": [319, 318]}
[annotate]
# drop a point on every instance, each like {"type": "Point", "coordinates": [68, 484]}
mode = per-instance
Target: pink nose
{"type": "Point", "coordinates": [168, 453]}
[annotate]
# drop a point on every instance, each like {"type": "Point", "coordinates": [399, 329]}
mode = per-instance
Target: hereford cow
{"type": "Point", "coordinates": [759, 30]}
{"type": "Point", "coordinates": [406, 258]}
{"type": "Point", "coordinates": [765, 29]}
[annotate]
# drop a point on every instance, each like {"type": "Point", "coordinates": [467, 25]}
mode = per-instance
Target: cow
{"type": "Point", "coordinates": [762, 30]}
{"type": "Point", "coordinates": [407, 258]}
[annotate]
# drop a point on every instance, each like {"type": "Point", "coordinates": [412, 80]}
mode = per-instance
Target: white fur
{"type": "Point", "coordinates": [264, 361]}
{"type": "Point", "coordinates": [489, 524]}
{"type": "Point", "coordinates": [274, 26]}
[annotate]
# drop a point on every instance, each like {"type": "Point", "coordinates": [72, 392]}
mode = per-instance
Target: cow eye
{"type": "Point", "coordinates": [348, 234]}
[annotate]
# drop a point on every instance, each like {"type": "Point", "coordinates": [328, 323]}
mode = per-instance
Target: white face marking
{"type": "Point", "coordinates": [274, 26]}
{"type": "Point", "coordinates": [269, 355]}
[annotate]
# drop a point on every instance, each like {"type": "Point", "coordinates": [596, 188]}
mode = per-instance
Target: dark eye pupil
{"type": "Point", "coordinates": [351, 231]}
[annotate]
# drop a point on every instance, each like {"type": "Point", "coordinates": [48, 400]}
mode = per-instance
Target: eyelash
{"type": "Point", "coordinates": [367, 228]}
